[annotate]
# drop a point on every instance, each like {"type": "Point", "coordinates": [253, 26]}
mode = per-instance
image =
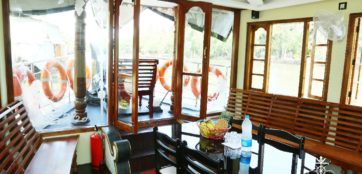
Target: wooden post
{"type": "Point", "coordinates": [80, 90]}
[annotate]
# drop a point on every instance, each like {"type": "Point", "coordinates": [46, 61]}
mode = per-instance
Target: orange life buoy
{"type": "Point", "coordinates": [20, 75]}
{"type": "Point", "coordinates": [70, 74]}
{"type": "Point", "coordinates": [16, 86]}
{"type": "Point", "coordinates": [162, 71]}
{"type": "Point", "coordinates": [195, 82]}
{"type": "Point", "coordinates": [45, 73]}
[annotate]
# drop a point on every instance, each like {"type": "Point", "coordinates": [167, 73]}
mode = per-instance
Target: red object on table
{"type": "Point", "coordinates": [96, 149]}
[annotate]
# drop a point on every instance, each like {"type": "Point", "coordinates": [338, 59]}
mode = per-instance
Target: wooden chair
{"type": "Point", "coordinates": [283, 141]}
{"type": "Point", "coordinates": [147, 71]}
{"type": "Point", "coordinates": [166, 152]}
{"type": "Point", "coordinates": [193, 161]}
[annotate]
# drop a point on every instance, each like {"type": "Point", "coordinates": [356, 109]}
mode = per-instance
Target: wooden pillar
{"type": "Point", "coordinates": [80, 90]}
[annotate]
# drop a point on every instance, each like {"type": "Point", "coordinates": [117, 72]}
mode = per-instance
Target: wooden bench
{"type": "Point", "coordinates": [23, 150]}
{"type": "Point", "coordinates": [332, 130]}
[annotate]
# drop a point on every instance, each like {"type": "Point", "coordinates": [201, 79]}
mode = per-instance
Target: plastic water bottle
{"type": "Point", "coordinates": [244, 164]}
{"type": "Point", "coordinates": [246, 137]}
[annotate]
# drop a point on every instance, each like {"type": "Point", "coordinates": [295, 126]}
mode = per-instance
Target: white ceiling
{"type": "Point", "coordinates": [267, 4]}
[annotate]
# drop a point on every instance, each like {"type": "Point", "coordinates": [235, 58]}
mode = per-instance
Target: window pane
{"type": "Point", "coordinates": [259, 52]}
{"type": "Point", "coordinates": [260, 36]}
{"type": "Point", "coordinates": [194, 41]}
{"type": "Point", "coordinates": [157, 42]}
{"type": "Point", "coordinates": [320, 53]}
{"type": "Point", "coordinates": [125, 48]}
{"type": "Point", "coordinates": [318, 71]}
{"type": "Point", "coordinates": [317, 88]}
{"type": "Point", "coordinates": [257, 82]}
{"type": "Point", "coordinates": [258, 67]}
{"type": "Point", "coordinates": [191, 97]}
{"type": "Point", "coordinates": [286, 47]}
{"type": "Point", "coordinates": [43, 41]}
{"type": "Point", "coordinates": [220, 62]}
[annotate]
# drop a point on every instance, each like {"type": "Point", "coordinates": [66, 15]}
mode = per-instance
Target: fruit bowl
{"type": "Point", "coordinates": [214, 128]}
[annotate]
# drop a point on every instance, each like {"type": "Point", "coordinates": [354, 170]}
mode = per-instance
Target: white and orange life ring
{"type": "Point", "coordinates": [162, 71]}
{"type": "Point", "coordinates": [45, 78]}
{"type": "Point", "coordinates": [195, 83]}
{"type": "Point", "coordinates": [70, 74]}
{"type": "Point", "coordinates": [16, 86]}
{"type": "Point", "coordinates": [19, 73]}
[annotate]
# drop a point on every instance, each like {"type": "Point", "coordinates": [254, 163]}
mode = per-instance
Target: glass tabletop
{"type": "Point", "coordinates": [274, 159]}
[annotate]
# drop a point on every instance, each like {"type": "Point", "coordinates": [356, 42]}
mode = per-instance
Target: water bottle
{"type": "Point", "coordinates": [246, 137]}
{"type": "Point", "coordinates": [244, 164]}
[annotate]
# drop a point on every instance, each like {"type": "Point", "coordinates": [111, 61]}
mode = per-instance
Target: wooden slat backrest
{"type": "Point", "coordinates": [325, 122]}
{"type": "Point", "coordinates": [147, 70]}
{"type": "Point", "coordinates": [312, 119]}
{"type": "Point", "coordinates": [19, 140]}
{"type": "Point", "coordinates": [255, 104]}
{"type": "Point", "coordinates": [283, 113]}
{"type": "Point", "coordinates": [346, 127]}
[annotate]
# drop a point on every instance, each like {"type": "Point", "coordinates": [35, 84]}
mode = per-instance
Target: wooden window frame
{"type": "Point", "coordinates": [350, 56]}
{"type": "Point", "coordinates": [250, 53]}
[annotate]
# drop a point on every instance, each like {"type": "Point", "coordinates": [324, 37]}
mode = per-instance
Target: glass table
{"type": "Point", "coordinates": [275, 161]}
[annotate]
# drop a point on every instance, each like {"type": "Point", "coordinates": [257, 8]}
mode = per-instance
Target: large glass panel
{"type": "Point", "coordinates": [43, 58]}
{"type": "Point", "coordinates": [220, 60]}
{"type": "Point", "coordinates": [157, 38]}
{"type": "Point", "coordinates": [192, 61]}
{"type": "Point", "coordinates": [194, 40]}
{"type": "Point", "coordinates": [286, 48]}
{"type": "Point", "coordinates": [125, 51]}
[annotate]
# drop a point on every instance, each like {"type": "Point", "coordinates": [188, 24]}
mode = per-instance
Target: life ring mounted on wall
{"type": "Point", "coordinates": [45, 78]}
{"type": "Point", "coordinates": [195, 81]}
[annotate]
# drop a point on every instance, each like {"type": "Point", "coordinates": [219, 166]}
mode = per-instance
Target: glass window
{"type": "Point", "coordinates": [285, 58]}
{"type": "Point", "coordinates": [43, 40]}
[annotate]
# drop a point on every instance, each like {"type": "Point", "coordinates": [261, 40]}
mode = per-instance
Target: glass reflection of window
{"type": "Point", "coordinates": [258, 59]}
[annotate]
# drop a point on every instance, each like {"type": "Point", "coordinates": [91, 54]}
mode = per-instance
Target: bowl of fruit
{"type": "Point", "coordinates": [214, 128]}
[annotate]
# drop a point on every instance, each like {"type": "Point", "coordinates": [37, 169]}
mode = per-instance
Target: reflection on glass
{"type": "Point", "coordinates": [260, 36]}
{"type": "Point", "coordinates": [220, 60]}
{"type": "Point", "coordinates": [286, 48]}
{"type": "Point", "coordinates": [125, 81]}
{"type": "Point", "coordinates": [257, 82]}
{"type": "Point", "coordinates": [40, 36]}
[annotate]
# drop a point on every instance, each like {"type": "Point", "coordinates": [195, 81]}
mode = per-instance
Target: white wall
{"type": "Point", "coordinates": [301, 11]}
{"type": "Point", "coordinates": [2, 61]}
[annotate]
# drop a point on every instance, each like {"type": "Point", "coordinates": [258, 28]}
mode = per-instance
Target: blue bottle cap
{"type": "Point", "coordinates": [247, 117]}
